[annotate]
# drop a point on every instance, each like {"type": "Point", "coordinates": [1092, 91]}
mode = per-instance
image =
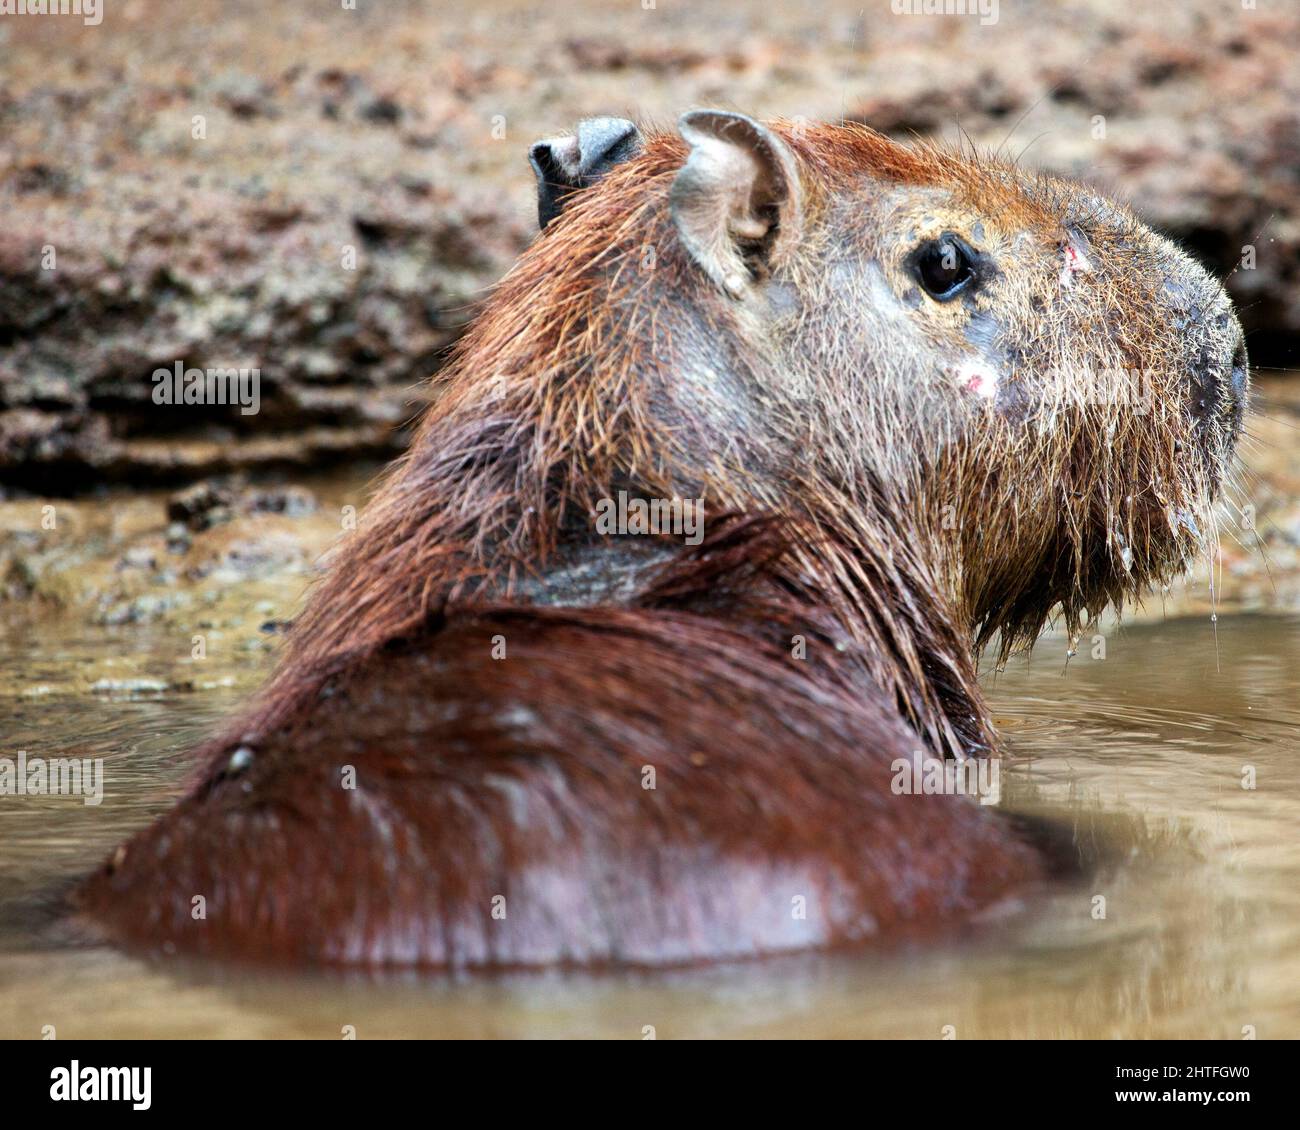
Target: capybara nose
{"type": "Point", "coordinates": [1207, 374]}
{"type": "Point", "coordinates": [1220, 373]}
{"type": "Point", "coordinates": [1240, 380]}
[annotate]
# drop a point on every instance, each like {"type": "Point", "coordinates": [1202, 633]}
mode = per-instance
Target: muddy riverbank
{"type": "Point", "coordinates": [324, 194]}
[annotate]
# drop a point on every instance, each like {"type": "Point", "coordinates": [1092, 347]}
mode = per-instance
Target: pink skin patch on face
{"type": "Point", "coordinates": [977, 377]}
{"type": "Point", "coordinates": [1076, 263]}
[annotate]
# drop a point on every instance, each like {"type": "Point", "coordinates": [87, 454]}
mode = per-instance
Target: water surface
{"type": "Point", "coordinates": [1140, 755]}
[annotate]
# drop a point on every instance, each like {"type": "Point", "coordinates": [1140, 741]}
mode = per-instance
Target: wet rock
{"type": "Point", "coordinates": [163, 223]}
{"type": "Point", "coordinates": [202, 505]}
{"type": "Point", "coordinates": [382, 111]}
{"type": "Point", "coordinates": [221, 558]}
{"type": "Point", "coordinates": [212, 502]}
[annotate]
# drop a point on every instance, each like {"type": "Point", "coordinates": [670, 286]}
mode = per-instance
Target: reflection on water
{"type": "Point", "coordinates": [1140, 755]}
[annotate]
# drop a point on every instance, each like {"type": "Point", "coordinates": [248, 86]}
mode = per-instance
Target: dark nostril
{"type": "Point", "coordinates": [1215, 387]}
{"type": "Point", "coordinates": [1240, 371]}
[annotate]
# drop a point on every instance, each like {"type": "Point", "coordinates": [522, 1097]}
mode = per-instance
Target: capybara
{"type": "Point", "coordinates": [548, 708]}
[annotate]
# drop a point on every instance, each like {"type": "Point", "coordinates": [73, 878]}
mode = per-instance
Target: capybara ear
{"type": "Point", "coordinates": [736, 201]}
{"type": "Point", "coordinates": [565, 164]}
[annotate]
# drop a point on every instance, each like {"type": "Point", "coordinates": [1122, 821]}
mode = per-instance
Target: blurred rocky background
{"type": "Point", "coordinates": [325, 193]}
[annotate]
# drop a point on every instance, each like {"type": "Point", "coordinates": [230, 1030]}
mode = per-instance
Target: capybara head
{"type": "Point", "coordinates": [1043, 389]}
{"type": "Point", "coordinates": [1005, 368]}
{"type": "Point", "coordinates": [982, 395]}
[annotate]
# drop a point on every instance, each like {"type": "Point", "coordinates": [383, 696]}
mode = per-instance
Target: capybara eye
{"type": "Point", "coordinates": [944, 266]}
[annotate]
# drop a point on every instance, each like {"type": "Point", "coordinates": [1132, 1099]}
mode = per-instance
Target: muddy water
{"type": "Point", "coordinates": [1140, 755]}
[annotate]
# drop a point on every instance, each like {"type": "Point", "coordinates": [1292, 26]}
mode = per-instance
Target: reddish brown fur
{"type": "Point", "coordinates": [523, 778]}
